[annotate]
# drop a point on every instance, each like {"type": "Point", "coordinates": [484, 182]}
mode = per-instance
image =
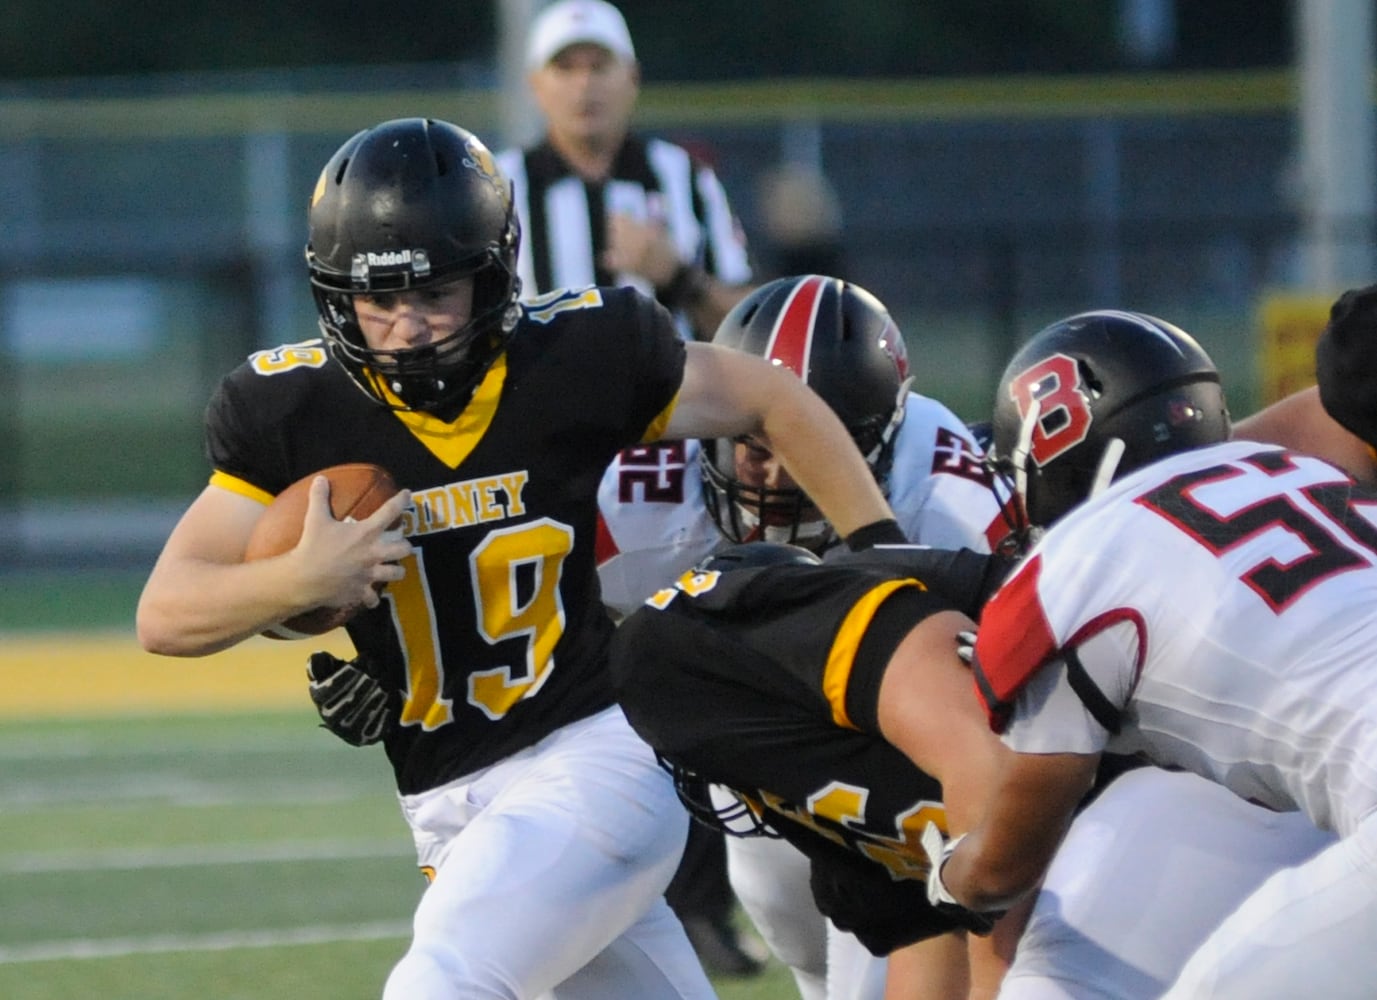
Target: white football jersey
{"type": "Point", "coordinates": [653, 523]}
{"type": "Point", "coordinates": [939, 491]}
{"type": "Point", "coordinates": [1226, 600]}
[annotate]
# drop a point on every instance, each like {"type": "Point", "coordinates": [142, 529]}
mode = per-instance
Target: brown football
{"type": "Point", "coordinates": [356, 491]}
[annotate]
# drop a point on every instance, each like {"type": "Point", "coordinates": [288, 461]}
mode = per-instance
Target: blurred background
{"type": "Point", "coordinates": [984, 167]}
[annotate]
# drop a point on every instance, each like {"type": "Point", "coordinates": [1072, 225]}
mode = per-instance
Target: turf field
{"type": "Point", "coordinates": [182, 829]}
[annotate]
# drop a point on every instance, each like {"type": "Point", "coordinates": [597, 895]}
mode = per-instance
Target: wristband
{"type": "Point", "coordinates": [686, 289]}
{"type": "Point", "coordinates": [938, 849]}
{"type": "Point", "coordinates": [886, 532]}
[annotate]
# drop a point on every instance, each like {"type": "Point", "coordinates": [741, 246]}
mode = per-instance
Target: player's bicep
{"type": "Point", "coordinates": [928, 709]}
{"type": "Point", "coordinates": [215, 528]}
{"type": "Point", "coordinates": [720, 393]}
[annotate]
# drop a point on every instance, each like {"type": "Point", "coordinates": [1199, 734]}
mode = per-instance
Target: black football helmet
{"type": "Point", "coordinates": [1098, 395]}
{"type": "Point", "coordinates": [751, 555]}
{"type": "Point", "coordinates": [414, 203]}
{"type": "Point", "coordinates": [839, 339]}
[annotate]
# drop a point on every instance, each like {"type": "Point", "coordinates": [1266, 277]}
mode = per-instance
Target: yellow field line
{"type": "Point", "coordinates": [56, 675]}
{"type": "Point", "coordinates": [667, 105]}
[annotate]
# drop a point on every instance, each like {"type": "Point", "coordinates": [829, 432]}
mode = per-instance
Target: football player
{"type": "Point", "coordinates": [829, 697]}
{"type": "Point", "coordinates": [659, 518]}
{"type": "Point", "coordinates": [1205, 603]}
{"type": "Point", "coordinates": [545, 825]}
{"type": "Point", "coordinates": [1083, 941]}
{"type": "Point", "coordinates": [1335, 419]}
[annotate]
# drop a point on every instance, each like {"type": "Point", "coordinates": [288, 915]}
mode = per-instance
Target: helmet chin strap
{"type": "Point", "coordinates": [1109, 464]}
{"type": "Point", "coordinates": [896, 419]}
{"type": "Point", "coordinates": [1023, 447]}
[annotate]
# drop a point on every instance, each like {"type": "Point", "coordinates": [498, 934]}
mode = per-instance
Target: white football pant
{"type": "Point", "coordinates": [1143, 876]}
{"type": "Point", "coordinates": [1309, 931]}
{"type": "Point", "coordinates": [550, 869]}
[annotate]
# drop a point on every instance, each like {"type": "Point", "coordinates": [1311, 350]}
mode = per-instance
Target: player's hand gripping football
{"type": "Point", "coordinates": [352, 703]}
{"type": "Point", "coordinates": [346, 563]}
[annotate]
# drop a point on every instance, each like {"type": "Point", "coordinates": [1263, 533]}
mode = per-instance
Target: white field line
{"type": "Point", "coordinates": [146, 858]}
{"type": "Point", "coordinates": [75, 746]}
{"type": "Point", "coordinates": [128, 794]}
{"type": "Point", "coordinates": [86, 948]}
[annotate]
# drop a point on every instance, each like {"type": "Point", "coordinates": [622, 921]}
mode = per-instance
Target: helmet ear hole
{"type": "Point", "coordinates": [1090, 380]}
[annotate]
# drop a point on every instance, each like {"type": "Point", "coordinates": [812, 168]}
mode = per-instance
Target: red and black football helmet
{"type": "Point", "coordinates": [1095, 396]}
{"type": "Point", "coordinates": [414, 203]}
{"type": "Point", "coordinates": [839, 339]}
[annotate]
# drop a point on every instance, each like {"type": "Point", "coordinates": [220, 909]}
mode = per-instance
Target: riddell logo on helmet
{"type": "Point", "coordinates": [391, 258]}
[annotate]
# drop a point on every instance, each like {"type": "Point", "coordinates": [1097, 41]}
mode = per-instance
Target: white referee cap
{"type": "Point", "coordinates": [569, 22]}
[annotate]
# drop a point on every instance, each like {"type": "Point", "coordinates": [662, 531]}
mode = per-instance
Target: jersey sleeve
{"type": "Point", "coordinates": [235, 437]}
{"type": "Point", "coordinates": [645, 360]}
{"type": "Point", "coordinates": [1055, 713]}
{"type": "Point", "coordinates": [964, 577]}
{"type": "Point", "coordinates": [1049, 658]}
{"type": "Point", "coordinates": [261, 411]}
{"type": "Point", "coordinates": [822, 634]}
{"type": "Point", "coordinates": [652, 522]}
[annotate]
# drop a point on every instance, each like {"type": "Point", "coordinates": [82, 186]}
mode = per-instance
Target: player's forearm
{"type": "Point", "coordinates": [820, 455]}
{"type": "Point", "coordinates": [195, 608]}
{"type": "Point", "coordinates": [986, 881]}
{"type": "Point", "coordinates": [1300, 422]}
{"type": "Point", "coordinates": [1025, 817]}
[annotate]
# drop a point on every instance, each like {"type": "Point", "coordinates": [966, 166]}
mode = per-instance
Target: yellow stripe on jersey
{"type": "Point", "coordinates": [836, 675]}
{"type": "Point", "coordinates": [236, 485]}
{"type": "Point", "coordinates": [657, 426]}
{"type": "Point", "coordinates": [452, 443]}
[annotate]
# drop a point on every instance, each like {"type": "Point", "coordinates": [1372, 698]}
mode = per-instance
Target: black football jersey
{"type": "Point", "coordinates": [767, 681]}
{"type": "Point", "coordinates": [497, 635]}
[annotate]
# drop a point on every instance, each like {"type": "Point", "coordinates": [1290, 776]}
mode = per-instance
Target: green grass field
{"type": "Point", "coordinates": [231, 855]}
{"type": "Point", "coordinates": [154, 854]}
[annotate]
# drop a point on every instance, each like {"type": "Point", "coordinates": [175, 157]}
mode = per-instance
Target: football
{"type": "Point", "coordinates": [356, 491]}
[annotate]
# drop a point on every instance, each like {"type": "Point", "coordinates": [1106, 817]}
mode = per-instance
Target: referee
{"type": "Point", "coordinates": [600, 205]}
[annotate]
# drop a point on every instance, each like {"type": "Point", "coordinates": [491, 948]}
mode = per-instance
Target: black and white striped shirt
{"type": "Point", "coordinates": [562, 215]}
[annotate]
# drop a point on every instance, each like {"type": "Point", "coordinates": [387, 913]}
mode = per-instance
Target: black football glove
{"type": "Point", "coordinates": [352, 703]}
{"type": "Point", "coordinates": [1346, 362]}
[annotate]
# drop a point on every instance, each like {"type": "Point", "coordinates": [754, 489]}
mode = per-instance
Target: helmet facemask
{"type": "Point", "coordinates": [1093, 398]}
{"type": "Point", "coordinates": [746, 513]}
{"type": "Point", "coordinates": [439, 377]}
{"type": "Point", "coordinates": [841, 341]}
{"type": "Point", "coordinates": [415, 204]}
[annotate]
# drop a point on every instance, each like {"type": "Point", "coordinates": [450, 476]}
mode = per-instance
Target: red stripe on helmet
{"type": "Point", "coordinates": [791, 341]}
